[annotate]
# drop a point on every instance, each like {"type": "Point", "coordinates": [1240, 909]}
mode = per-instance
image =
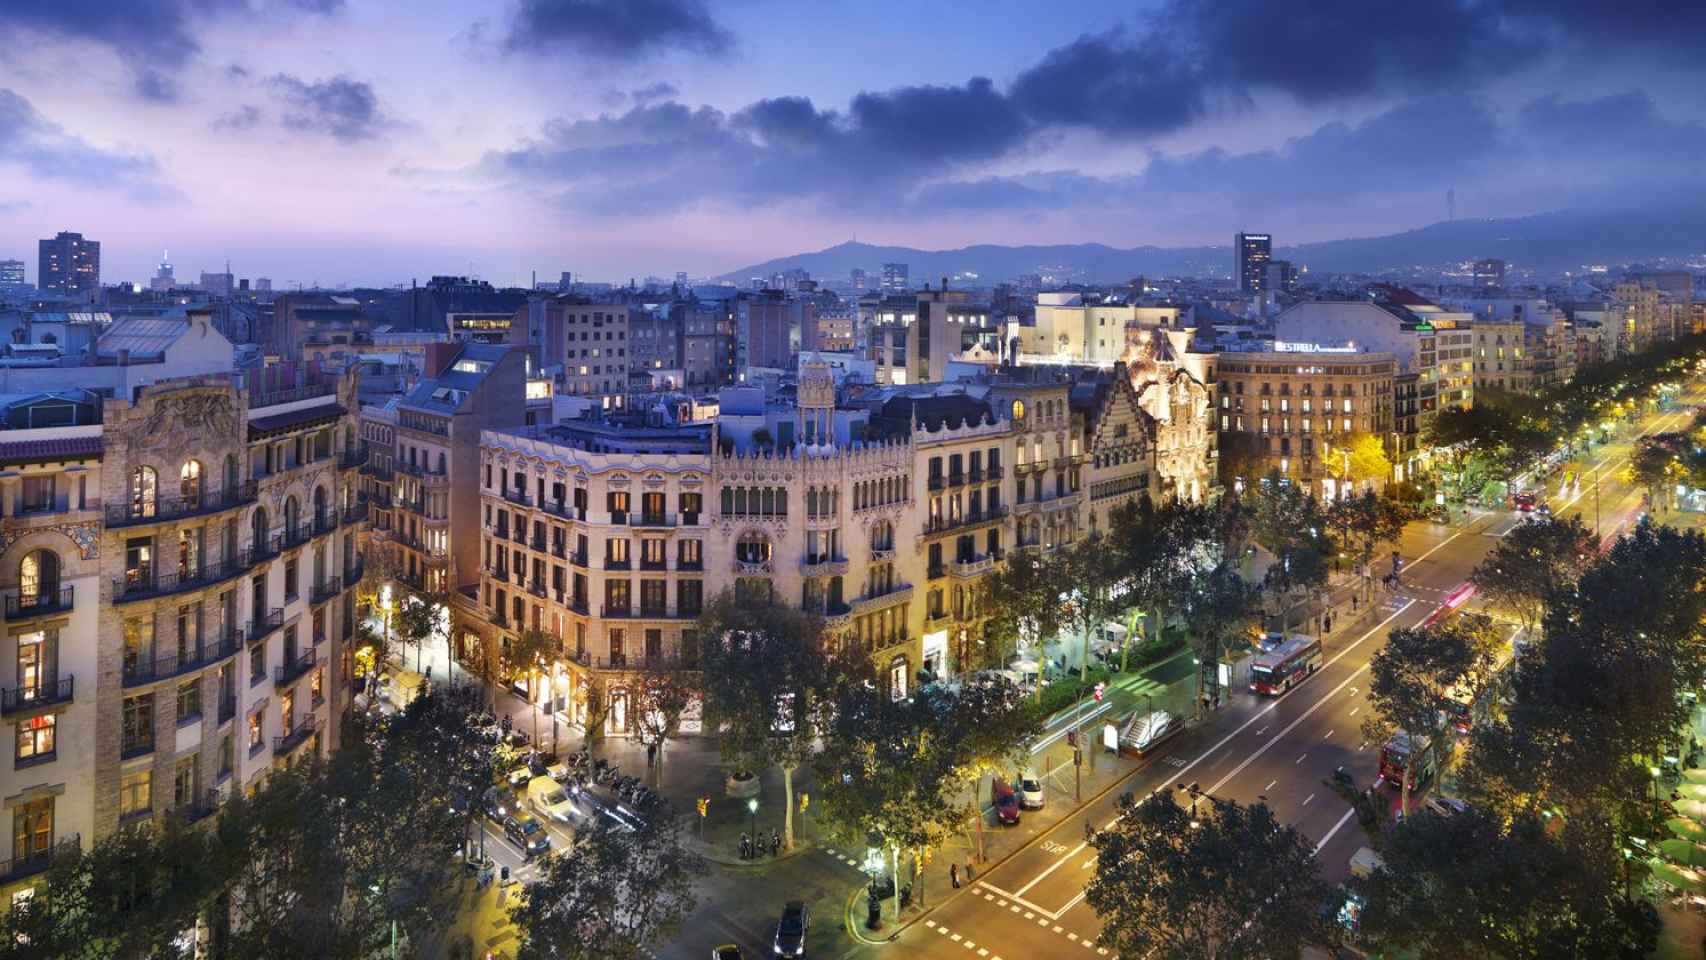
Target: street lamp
{"type": "Point", "coordinates": [752, 812]}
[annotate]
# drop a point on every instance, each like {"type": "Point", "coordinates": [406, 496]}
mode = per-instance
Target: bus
{"type": "Point", "coordinates": [1396, 752]}
{"type": "Point", "coordinates": [1285, 666]}
{"type": "Point", "coordinates": [1465, 705]}
{"type": "Point", "coordinates": [1453, 602]}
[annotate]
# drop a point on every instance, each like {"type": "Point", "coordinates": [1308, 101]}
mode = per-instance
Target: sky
{"type": "Point", "coordinates": [341, 142]}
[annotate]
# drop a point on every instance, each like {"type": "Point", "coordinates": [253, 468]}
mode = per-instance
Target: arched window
{"type": "Point", "coordinates": [292, 515]}
{"type": "Point", "coordinates": [258, 529]}
{"type": "Point", "coordinates": [144, 492]}
{"type": "Point", "coordinates": [752, 548]}
{"type": "Point", "coordinates": [319, 507]}
{"type": "Point", "coordinates": [189, 483]}
{"type": "Point", "coordinates": [38, 578]}
{"type": "Point", "coordinates": [231, 474]}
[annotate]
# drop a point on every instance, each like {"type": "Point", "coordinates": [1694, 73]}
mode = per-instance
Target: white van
{"type": "Point", "coordinates": [550, 801]}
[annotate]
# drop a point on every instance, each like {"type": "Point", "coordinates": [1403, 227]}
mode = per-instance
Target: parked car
{"type": "Point", "coordinates": [525, 831]}
{"type": "Point", "coordinates": [558, 771]}
{"type": "Point", "coordinates": [1446, 807]}
{"type": "Point", "coordinates": [1030, 791]}
{"type": "Point", "coordinates": [519, 777]}
{"type": "Point", "coordinates": [548, 799]}
{"type": "Point", "coordinates": [497, 804]}
{"type": "Point", "coordinates": [1006, 803]}
{"type": "Point", "coordinates": [791, 930]}
{"type": "Point", "coordinates": [727, 951]}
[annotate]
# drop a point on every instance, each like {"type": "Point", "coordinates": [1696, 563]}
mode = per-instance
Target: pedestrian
{"type": "Point", "coordinates": [1328, 628]}
{"type": "Point", "coordinates": [651, 754]}
{"type": "Point", "coordinates": [954, 875]}
{"type": "Point", "coordinates": [775, 843]}
{"type": "Point", "coordinates": [968, 871]}
{"type": "Point", "coordinates": [743, 845]}
{"type": "Point", "coordinates": [1353, 603]}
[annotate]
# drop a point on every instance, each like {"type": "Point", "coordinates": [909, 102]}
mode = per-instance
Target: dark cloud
{"type": "Point", "coordinates": [1105, 82]}
{"type": "Point", "coordinates": [45, 151]}
{"type": "Point", "coordinates": [245, 117]}
{"type": "Point", "coordinates": [616, 29]}
{"type": "Point", "coordinates": [153, 38]}
{"type": "Point", "coordinates": [236, 71]}
{"type": "Point", "coordinates": [345, 109]}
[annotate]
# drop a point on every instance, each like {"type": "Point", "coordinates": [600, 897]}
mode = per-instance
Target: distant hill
{"type": "Point", "coordinates": [1551, 241]}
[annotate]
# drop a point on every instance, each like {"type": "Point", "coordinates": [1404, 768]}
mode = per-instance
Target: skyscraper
{"type": "Point", "coordinates": [896, 278]}
{"type": "Point", "coordinates": [857, 277]}
{"type": "Point", "coordinates": [69, 264]}
{"type": "Point", "coordinates": [1253, 251]}
{"type": "Point", "coordinates": [11, 274]}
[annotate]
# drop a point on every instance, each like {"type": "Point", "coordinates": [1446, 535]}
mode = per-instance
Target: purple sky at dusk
{"type": "Point", "coordinates": [357, 141]}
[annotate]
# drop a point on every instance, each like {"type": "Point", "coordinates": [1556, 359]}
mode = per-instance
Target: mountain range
{"type": "Point", "coordinates": [1548, 242]}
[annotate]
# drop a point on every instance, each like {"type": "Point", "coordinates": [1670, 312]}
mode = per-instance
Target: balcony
{"type": "Point", "coordinates": [823, 566]}
{"type": "Point", "coordinates": [257, 629]}
{"type": "Point", "coordinates": [416, 505]}
{"type": "Point", "coordinates": [619, 518]}
{"type": "Point", "coordinates": [204, 805]}
{"type": "Point", "coordinates": [965, 520]}
{"type": "Point", "coordinates": [653, 520]}
{"type": "Point", "coordinates": [378, 472]}
{"type": "Point", "coordinates": [895, 594]}
{"type": "Point", "coordinates": [973, 567]}
{"type": "Point", "coordinates": [656, 566]}
{"type": "Point", "coordinates": [992, 472]}
{"type": "Point", "coordinates": [610, 564]}
{"type": "Point", "coordinates": [295, 736]}
{"type": "Point", "coordinates": [40, 604]}
{"type": "Point", "coordinates": [350, 459]}
{"type": "Point", "coordinates": [293, 669]}
{"type": "Point", "coordinates": [47, 694]}
{"type": "Point", "coordinates": [499, 619]}
{"type": "Point", "coordinates": [937, 621]}
{"type": "Point", "coordinates": [753, 568]}
{"type": "Point", "coordinates": [882, 554]}
{"type": "Point", "coordinates": [144, 583]}
{"type": "Point", "coordinates": [326, 590]}
{"type": "Point", "coordinates": [578, 559]}
{"type": "Point", "coordinates": [31, 864]}
{"type": "Point", "coordinates": [352, 575]}
{"type": "Point", "coordinates": [690, 518]}
{"type": "Point", "coordinates": [325, 523]}
{"type": "Point", "coordinates": [537, 588]}
{"type": "Point", "coordinates": [691, 566]}
{"type": "Point", "coordinates": [356, 512]}
{"type": "Point", "coordinates": [168, 665]}
{"type": "Point", "coordinates": [163, 510]}
{"type": "Point", "coordinates": [937, 481]}
{"type": "Point", "coordinates": [518, 497]}
{"type": "Point", "coordinates": [579, 605]}
{"type": "Point", "coordinates": [615, 611]}
{"type": "Point", "coordinates": [227, 707]}
{"type": "Point", "coordinates": [129, 748]}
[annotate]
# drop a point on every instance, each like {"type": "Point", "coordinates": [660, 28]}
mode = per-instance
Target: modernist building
{"type": "Point", "coordinates": [177, 566]}
{"type": "Point", "coordinates": [884, 516]}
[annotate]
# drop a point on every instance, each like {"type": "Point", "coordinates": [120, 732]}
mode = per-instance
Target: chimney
{"type": "Point", "coordinates": [438, 357]}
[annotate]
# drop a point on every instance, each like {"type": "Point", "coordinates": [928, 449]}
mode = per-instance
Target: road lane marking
{"type": "Point", "coordinates": [1270, 786]}
{"type": "Point", "coordinates": [1307, 799]}
{"type": "Point", "coordinates": [1330, 733]}
{"type": "Point", "coordinates": [1039, 878]}
{"type": "Point", "coordinates": [1335, 829]}
{"type": "Point", "coordinates": [1300, 759]}
{"type": "Point", "coordinates": [1356, 711]}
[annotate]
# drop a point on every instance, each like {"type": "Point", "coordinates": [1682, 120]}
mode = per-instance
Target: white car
{"type": "Point", "coordinates": [558, 771]}
{"type": "Point", "coordinates": [1030, 791]}
{"type": "Point", "coordinates": [548, 799]}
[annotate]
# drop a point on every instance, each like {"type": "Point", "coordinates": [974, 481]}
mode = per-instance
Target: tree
{"type": "Point", "coordinates": [434, 736]}
{"type": "Point", "coordinates": [886, 777]}
{"type": "Point", "coordinates": [1531, 561]}
{"type": "Point", "coordinates": [1366, 522]}
{"type": "Point", "coordinates": [132, 894]}
{"type": "Point", "coordinates": [1290, 524]}
{"type": "Point", "coordinates": [526, 654]}
{"type": "Point", "coordinates": [1358, 459]}
{"type": "Point", "coordinates": [764, 669]}
{"type": "Point", "coordinates": [1656, 464]}
{"type": "Point", "coordinates": [1090, 572]}
{"type": "Point", "coordinates": [1024, 597]}
{"type": "Point", "coordinates": [1159, 553]}
{"type": "Point", "coordinates": [1221, 882]}
{"type": "Point", "coordinates": [610, 894]}
{"type": "Point", "coordinates": [986, 726]}
{"type": "Point", "coordinates": [659, 695]}
{"type": "Point", "coordinates": [1479, 885]}
{"type": "Point", "coordinates": [1219, 608]}
{"type": "Point", "coordinates": [1410, 677]}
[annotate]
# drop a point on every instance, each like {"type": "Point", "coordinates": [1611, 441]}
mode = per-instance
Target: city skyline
{"type": "Point", "coordinates": [619, 139]}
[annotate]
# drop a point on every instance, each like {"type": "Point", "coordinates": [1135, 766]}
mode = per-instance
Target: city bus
{"type": "Point", "coordinates": [1396, 751]}
{"type": "Point", "coordinates": [1464, 705]}
{"type": "Point", "coordinates": [1285, 666]}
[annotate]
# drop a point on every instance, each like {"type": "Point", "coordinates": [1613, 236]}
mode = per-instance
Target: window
{"type": "Point", "coordinates": [35, 737]}
{"type": "Point", "coordinates": [138, 641]}
{"type": "Point", "coordinates": [689, 597]}
{"type": "Point", "coordinates": [653, 552]}
{"type": "Point", "coordinates": [257, 663]}
{"type": "Point", "coordinates": [38, 494]}
{"type": "Point", "coordinates": [690, 554]}
{"type": "Point", "coordinates": [616, 595]}
{"type": "Point", "coordinates": [652, 596]}
{"type": "Point", "coordinates": [136, 793]}
{"type": "Point", "coordinates": [144, 492]}
{"type": "Point", "coordinates": [255, 738]}
{"type": "Point", "coordinates": [183, 782]}
{"type": "Point", "coordinates": [618, 640]}
{"type": "Point", "coordinates": [32, 830]}
{"type": "Point", "coordinates": [189, 700]}
{"type": "Point", "coordinates": [139, 562]}
{"type": "Point", "coordinates": [189, 483]}
{"type": "Point", "coordinates": [227, 754]}
{"type": "Point", "coordinates": [138, 726]}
